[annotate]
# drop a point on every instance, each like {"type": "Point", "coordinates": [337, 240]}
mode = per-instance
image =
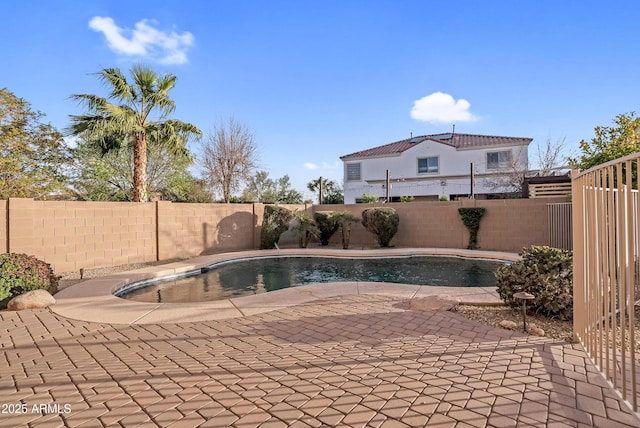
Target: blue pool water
{"type": "Point", "coordinates": [252, 276]}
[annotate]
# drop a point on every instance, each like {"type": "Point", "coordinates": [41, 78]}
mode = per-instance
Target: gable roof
{"type": "Point", "coordinates": [458, 141]}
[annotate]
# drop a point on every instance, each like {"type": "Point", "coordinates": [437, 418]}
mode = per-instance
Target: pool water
{"type": "Point", "coordinates": [252, 276]}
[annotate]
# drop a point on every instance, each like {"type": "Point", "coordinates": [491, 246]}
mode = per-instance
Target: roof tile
{"type": "Point", "coordinates": [459, 141]}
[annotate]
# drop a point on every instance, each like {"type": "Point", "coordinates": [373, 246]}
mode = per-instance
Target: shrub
{"type": "Point", "coordinates": [344, 220]}
{"type": "Point", "coordinates": [471, 219]}
{"type": "Point", "coordinates": [369, 199]}
{"type": "Point", "coordinates": [407, 198]}
{"type": "Point", "coordinates": [382, 222]}
{"type": "Point", "coordinates": [546, 273]}
{"type": "Point", "coordinates": [275, 222]}
{"type": "Point", "coordinates": [20, 273]}
{"type": "Point", "coordinates": [327, 225]}
{"type": "Point", "coordinates": [304, 227]}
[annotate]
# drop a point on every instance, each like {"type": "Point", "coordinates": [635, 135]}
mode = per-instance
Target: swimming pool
{"type": "Point", "coordinates": [242, 277]}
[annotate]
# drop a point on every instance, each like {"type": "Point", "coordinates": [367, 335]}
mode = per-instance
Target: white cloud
{"type": "Point", "coordinates": [441, 107]}
{"type": "Point", "coordinates": [144, 40]}
{"type": "Point", "coordinates": [310, 165]}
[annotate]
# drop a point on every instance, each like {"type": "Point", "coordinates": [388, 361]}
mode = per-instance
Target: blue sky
{"type": "Point", "coordinates": [315, 80]}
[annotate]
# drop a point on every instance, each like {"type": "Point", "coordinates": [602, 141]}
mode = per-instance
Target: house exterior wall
{"type": "Point", "coordinates": [452, 178]}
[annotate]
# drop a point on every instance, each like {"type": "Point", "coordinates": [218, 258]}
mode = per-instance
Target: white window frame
{"type": "Point", "coordinates": [500, 164]}
{"type": "Point", "coordinates": [348, 174]}
{"type": "Point", "coordinates": [437, 158]}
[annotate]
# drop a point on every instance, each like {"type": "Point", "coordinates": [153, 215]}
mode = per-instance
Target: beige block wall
{"type": "Point", "coordinates": [508, 225]}
{"type": "Point", "coordinates": [187, 230]}
{"type": "Point", "coordinates": [72, 235]}
{"type": "Point", "coordinates": [4, 243]}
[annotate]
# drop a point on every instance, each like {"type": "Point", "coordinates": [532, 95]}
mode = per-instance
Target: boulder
{"type": "Point", "coordinates": [432, 304]}
{"type": "Point", "coordinates": [35, 299]}
{"type": "Point", "coordinates": [534, 329]}
{"type": "Point", "coordinates": [509, 325]}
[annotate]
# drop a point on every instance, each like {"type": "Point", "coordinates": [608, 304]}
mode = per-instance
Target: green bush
{"type": "Point", "coordinates": [20, 273]}
{"type": "Point", "coordinates": [327, 225]}
{"type": "Point", "coordinates": [304, 228]}
{"type": "Point", "coordinates": [382, 222]}
{"type": "Point", "coordinates": [369, 199]}
{"type": "Point", "coordinates": [344, 220]}
{"type": "Point", "coordinates": [471, 219]}
{"type": "Point", "coordinates": [545, 272]}
{"type": "Point", "coordinates": [274, 223]}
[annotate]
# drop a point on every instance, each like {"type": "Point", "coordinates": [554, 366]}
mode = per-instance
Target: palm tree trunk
{"type": "Point", "coordinates": [140, 168]}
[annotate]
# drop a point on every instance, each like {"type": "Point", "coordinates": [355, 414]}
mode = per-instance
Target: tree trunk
{"type": "Point", "coordinates": [140, 168]}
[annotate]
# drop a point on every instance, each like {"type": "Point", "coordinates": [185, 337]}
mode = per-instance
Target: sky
{"type": "Point", "coordinates": [316, 80]}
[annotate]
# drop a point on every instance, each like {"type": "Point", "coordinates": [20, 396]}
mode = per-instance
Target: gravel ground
{"type": "Point", "coordinates": [493, 315]}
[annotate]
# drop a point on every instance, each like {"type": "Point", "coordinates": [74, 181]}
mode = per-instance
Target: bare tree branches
{"type": "Point", "coordinates": [229, 157]}
{"type": "Point", "coordinates": [550, 157]}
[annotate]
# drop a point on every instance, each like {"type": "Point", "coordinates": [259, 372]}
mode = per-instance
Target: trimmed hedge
{"type": "Point", "coordinates": [275, 222]}
{"type": "Point", "coordinates": [471, 219]}
{"type": "Point", "coordinates": [327, 225]}
{"type": "Point", "coordinates": [382, 222]}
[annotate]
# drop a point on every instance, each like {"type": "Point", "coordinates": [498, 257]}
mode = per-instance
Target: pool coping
{"type": "Point", "coordinates": [93, 300]}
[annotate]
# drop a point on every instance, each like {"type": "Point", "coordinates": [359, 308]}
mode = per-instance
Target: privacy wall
{"type": "Point", "coordinates": [72, 235]}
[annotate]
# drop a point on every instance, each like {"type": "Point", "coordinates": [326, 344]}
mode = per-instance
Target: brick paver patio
{"type": "Point", "coordinates": [358, 360]}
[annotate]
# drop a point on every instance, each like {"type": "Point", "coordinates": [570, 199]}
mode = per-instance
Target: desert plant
{"type": "Point", "coordinates": [20, 273]}
{"type": "Point", "coordinates": [275, 221]}
{"type": "Point", "coordinates": [304, 227]}
{"type": "Point", "coordinates": [407, 198]}
{"type": "Point", "coordinates": [545, 272]}
{"type": "Point", "coordinates": [369, 199]}
{"type": "Point", "coordinates": [344, 220]}
{"type": "Point", "coordinates": [327, 225]}
{"type": "Point", "coordinates": [382, 222]}
{"type": "Point", "coordinates": [471, 219]}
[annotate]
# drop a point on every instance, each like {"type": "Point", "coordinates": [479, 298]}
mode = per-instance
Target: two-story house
{"type": "Point", "coordinates": [432, 166]}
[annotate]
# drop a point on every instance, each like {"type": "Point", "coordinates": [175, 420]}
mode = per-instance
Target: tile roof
{"type": "Point", "coordinates": [459, 141]}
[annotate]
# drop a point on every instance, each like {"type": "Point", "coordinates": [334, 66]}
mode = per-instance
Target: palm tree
{"type": "Point", "coordinates": [140, 118]}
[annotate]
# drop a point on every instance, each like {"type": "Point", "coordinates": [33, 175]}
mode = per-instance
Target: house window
{"type": "Point", "coordinates": [353, 172]}
{"type": "Point", "coordinates": [426, 165]}
{"type": "Point", "coordinates": [497, 160]}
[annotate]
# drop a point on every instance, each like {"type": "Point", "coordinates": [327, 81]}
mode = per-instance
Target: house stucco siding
{"type": "Point", "coordinates": [452, 178]}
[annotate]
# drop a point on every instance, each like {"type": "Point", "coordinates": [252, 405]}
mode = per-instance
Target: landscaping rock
{"type": "Point", "coordinates": [35, 299]}
{"type": "Point", "coordinates": [509, 325]}
{"type": "Point", "coordinates": [534, 329]}
{"type": "Point", "coordinates": [432, 304]}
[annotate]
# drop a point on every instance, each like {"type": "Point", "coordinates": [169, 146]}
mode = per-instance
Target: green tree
{"type": "Point", "coordinates": [139, 121]}
{"type": "Point", "coordinates": [329, 192]}
{"type": "Point", "coordinates": [109, 177]}
{"type": "Point", "coordinates": [610, 142]}
{"type": "Point", "coordinates": [33, 155]}
{"type": "Point", "coordinates": [261, 188]}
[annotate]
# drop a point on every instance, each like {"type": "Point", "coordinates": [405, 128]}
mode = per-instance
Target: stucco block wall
{"type": "Point", "coordinates": [508, 225]}
{"type": "Point", "coordinates": [3, 227]}
{"type": "Point", "coordinates": [187, 230]}
{"type": "Point", "coordinates": [74, 235]}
